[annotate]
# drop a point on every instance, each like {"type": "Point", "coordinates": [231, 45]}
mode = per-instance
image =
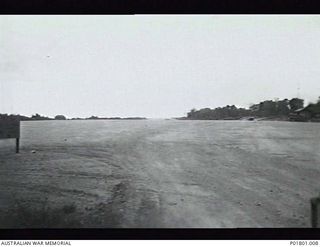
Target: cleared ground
{"type": "Point", "coordinates": [158, 173]}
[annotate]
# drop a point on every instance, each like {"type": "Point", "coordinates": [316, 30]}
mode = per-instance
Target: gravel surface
{"type": "Point", "coordinates": [160, 173]}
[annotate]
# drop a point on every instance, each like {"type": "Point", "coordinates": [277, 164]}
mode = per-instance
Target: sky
{"type": "Point", "coordinates": [157, 66]}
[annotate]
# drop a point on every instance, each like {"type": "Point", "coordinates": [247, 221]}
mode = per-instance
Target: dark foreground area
{"type": "Point", "coordinates": [157, 173]}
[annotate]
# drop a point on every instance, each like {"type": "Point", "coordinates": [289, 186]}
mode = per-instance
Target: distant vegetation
{"type": "Point", "coordinates": [285, 109]}
{"type": "Point", "coordinates": [39, 117]}
{"type": "Point", "coordinates": [273, 109]}
{"type": "Point", "coordinates": [13, 117]}
{"type": "Point", "coordinates": [60, 117]}
{"type": "Point", "coordinates": [226, 112]}
{"type": "Point", "coordinates": [115, 118]}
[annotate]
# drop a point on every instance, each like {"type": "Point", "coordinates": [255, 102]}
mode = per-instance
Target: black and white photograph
{"type": "Point", "coordinates": [159, 121]}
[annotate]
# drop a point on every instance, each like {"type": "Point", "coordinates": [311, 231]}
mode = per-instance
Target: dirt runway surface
{"type": "Point", "coordinates": [158, 173]}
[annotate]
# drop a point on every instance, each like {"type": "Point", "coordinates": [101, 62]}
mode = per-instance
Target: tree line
{"type": "Point", "coordinates": [61, 117]}
{"type": "Point", "coordinates": [267, 108]}
{"type": "Point", "coordinates": [33, 117]}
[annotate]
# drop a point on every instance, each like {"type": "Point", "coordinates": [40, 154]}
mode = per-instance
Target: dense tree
{"type": "Point", "coordinates": [267, 108]}
{"type": "Point", "coordinates": [39, 117]}
{"type": "Point", "coordinates": [296, 104]}
{"type": "Point", "coordinates": [227, 112]}
{"type": "Point", "coordinates": [283, 107]}
{"type": "Point", "coordinates": [13, 117]}
{"type": "Point", "coordinates": [93, 117]}
{"type": "Point", "coordinates": [60, 117]}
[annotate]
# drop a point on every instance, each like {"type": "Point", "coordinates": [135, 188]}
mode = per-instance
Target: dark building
{"type": "Point", "coordinates": [309, 113]}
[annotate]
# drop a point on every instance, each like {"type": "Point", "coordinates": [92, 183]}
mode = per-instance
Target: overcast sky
{"type": "Point", "coordinates": [154, 66]}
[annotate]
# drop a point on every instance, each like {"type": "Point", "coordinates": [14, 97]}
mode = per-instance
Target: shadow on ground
{"type": "Point", "coordinates": [22, 214]}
